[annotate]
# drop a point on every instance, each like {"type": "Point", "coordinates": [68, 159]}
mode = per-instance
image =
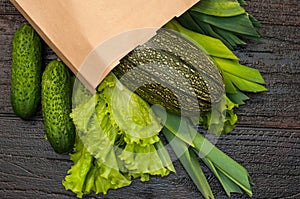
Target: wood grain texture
{"type": "Point", "coordinates": [266, 140]}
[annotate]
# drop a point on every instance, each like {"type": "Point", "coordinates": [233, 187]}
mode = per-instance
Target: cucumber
{"type": "Point", "coordinates": [172, 72]}
{"type": "Point", "coordinates": [56, 107]}
{"type": "Point", "coordinates": [26, 72]}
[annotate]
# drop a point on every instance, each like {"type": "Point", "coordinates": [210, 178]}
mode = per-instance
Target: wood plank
{"type": "Point", "coordinates": [9, 23]}
{"type": "Point", "coordinates": [278, 60]}
{"type": "Point", "coordinates": [6, 8]}
{"type": "Point", "coordinates": [275, 12]}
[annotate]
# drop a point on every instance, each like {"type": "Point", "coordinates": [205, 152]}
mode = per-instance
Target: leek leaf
{"type": "Point", "coordinates": [226, 165]}
{"type": "Point", "coordinates": [228, 185]}
{"type": "Point", "coordinates": [190, 163]}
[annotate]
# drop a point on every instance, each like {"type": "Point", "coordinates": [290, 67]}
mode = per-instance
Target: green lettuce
{"type": "Point", "coordinates": [117, 140]}
{"type": "Point", "coordinates": [222, 119]}
{"type": "Point", "coordinates": [89, 174]}
{"type": "Point", "coordinates": [131, 114]}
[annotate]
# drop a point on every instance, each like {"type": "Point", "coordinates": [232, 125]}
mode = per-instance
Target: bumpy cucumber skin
{"type": "Point", "coordinates": [26, 72]}
{"type": "Point", "coordinates": [56, 107]}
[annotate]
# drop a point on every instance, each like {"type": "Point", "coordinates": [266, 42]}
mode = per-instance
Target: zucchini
{"type": "Point", "coordinates": [56, 106]}
{"type": "Point", "coordinates": [171, 71]}
{"type": "Point", "coordinates": [26, 72]}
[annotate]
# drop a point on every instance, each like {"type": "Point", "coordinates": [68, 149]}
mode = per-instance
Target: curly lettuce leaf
{"type": "Point", "coordinates": [110, 149]}
{"type": "Point", "coordinates": [88, 174]}
{"type": "Point", "coordinates": [222, 119]}
{"type": "Point", "coordinates": [140, 128]}
{"type": "Point", "coordinates": [83, 160]}
{"type": "Point", "coordinates": [132, 115]}
{"type": "Point", "coordinates": [143, 161]}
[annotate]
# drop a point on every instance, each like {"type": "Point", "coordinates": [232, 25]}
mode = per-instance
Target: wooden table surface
{"type": "Point", "coordinates": [266, 140]}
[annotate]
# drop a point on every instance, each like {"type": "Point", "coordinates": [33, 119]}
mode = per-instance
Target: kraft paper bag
{"type": "Point", "coordinates": [91, 36]}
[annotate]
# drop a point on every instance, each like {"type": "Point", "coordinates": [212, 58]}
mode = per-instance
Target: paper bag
{"type": "Point", "coordinates": [75, 28]}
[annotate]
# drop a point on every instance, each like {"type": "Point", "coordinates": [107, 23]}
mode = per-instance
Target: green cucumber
{"type": "Point", "coordinates": [26, 72]}
{"type": "Point", "coordinates": [172, 72]}
{"type": "Point", "coordinates": [56, 107]}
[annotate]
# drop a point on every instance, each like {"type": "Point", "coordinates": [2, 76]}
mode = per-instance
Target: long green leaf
{"type": "Point", "coordinates": [164, 156]}
{"type": "Point", "coordinates": [255, 22]}
{"type": "Point", "coordinates": [230, 168]}
{"type": "Point", "coordinates": [237, 97]}
{"type": "Point", "coordinates": [224, 163]}
{"type": "Point", "coordinates": [186, 19]}
{"type": "Point", "coordinates": [190, 163]}
{"type": "Point", "coordinates": [242, 2]}
{"type": "Point", "coordinates": [228, 185]}
{"type": "Point", "coordinates": [220, 8]}
{"type": "Point", "coordinates": [229, 36]}
{"type": "Point", "coordinates": [240, 24]}
{"type": "Point", "coordinates": [212, 46]}
{"type": "Point", "coordinates": [229, 87]}
{"type": "Point", "coordinates": [208, 30]}
{"type": "Point", "coordinates": [245, 85]}
{"type": "Point", "coordinates": [239, 70]}
{"type": "Point", "coordinates": [175, 126]}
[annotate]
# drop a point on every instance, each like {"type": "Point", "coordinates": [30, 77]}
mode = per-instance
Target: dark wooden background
{"type": "Point", "coordinates": [266, 140]}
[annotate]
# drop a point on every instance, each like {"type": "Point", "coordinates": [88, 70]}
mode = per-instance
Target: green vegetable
{"type": "Point", "coordinates": [223, 19]}
{"type": "Point", "coordinates": [173, 72]}
{"type": "Point", "coordinates": [232, 176]}
{"type": "Point", "coordinates": [112, 114]}
{"type": "Point", "coordinates": [221, 120]}
{"type": "Point", "coordinates": [56, 107]}
{"type": "Point", "coordinates": [116, 141]}
{"type": "Point", "coordinates": [189, 161]}
{"type": "Point", "coordinates": [221, 8]}
{"type": "Point", "coordinates": [236, 77]}
{"type": "Point", "coordinates": [26, 72]}
{"type": "Point", "coordinates": [88, 174]}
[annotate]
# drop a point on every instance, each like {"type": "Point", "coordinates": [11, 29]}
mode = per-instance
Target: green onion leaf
{"type": "Point", "coordinates": [190, 163]}
{"type": "Point", "coordinates": [206, 150]}
{"type": "Point", "coordinates": [228, 185]}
